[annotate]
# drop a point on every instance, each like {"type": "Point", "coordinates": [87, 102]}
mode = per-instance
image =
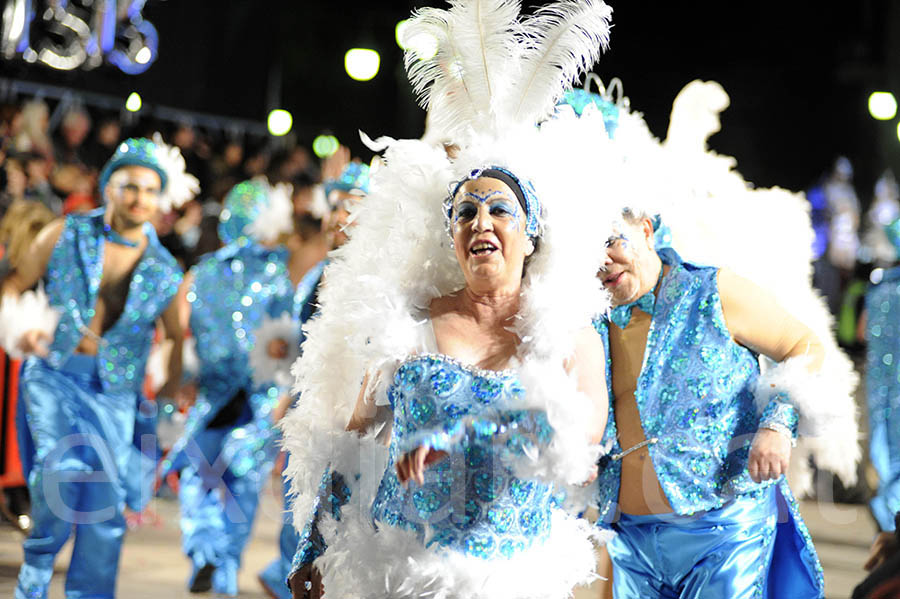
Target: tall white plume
{"type": "Point", "coordinates": [561, 42]}
{"type": "Point", "coordinates": [474, 65]}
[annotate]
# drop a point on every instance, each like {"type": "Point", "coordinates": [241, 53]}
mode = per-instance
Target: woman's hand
{"type": "Point", "coordinates": [412, 465]}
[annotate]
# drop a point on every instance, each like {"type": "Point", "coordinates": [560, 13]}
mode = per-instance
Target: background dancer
{"type": "Point", "coordinates": [108, 281]}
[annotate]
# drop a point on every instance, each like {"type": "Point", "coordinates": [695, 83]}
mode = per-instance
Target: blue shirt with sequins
{"type": "Point", "coordinates": [233, 289]}
{"type": "Point", "coordinates": [882, 380]}
{"type": "Point", "coordinates": [695, 394]}
{"type": "Point", "coordinates": [72, 282]}
{"type": "Point", "coordinates": [471, 501]}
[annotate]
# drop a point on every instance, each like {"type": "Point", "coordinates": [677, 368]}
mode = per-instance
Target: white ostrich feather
{"type": "Point", "coordinates": [275, 218]}
{"type": "Point", "coordinates": [18, 315]}
{"type": "Point", "coordinates": [475, 63]}
{"type": "Point", "coordinates": [181, 187]}
{"type": "Point", "coordinates": [562, 41]}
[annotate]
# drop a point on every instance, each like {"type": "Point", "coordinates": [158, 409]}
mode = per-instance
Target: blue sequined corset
{"type": "Point", "coordinates": [695, 393]}
{"type": "Point", "coordinates": [470, 502]}
{"type": "Point", "coordinates": [73, 281]}
{"type": "Point", "coordinates": [234, 288]}
{"type": "Point", "coordinates": [883, 360]}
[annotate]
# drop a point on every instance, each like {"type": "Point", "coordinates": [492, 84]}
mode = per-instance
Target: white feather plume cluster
{"type": "Point", "coordinates": [18, 315]}
{"type": "Point", "coordinates": [496, 70]}
{"type": "Point", "coordinates": [276, 218]}
{"type": "Point", "coordinates": [764, 235]}
{"type": "Point", "coordinates": [181, 187]}
{"type": "Point", "coordinates": [267, 369]}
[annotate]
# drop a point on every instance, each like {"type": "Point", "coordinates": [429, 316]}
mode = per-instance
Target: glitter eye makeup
{"type": "Point", "coordinates": [499, 206]}
{"type": "Point", "coordinates": [618, 242]}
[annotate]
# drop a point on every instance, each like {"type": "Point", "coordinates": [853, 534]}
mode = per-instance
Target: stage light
{"type": "Point", "coordinates": [325, 145]}
{"type": "Point", "coordinates": [133, 103]}
{"type": "Point", "coordinates": [280, 122]}
{"type": "Point", "coordinates": [143, 55]}
{"type": "Point", "coordinates": [423, 44]}
{"type": "Point", "coordinates": [399, 32]}
{"type": "Point", "coordinates": [361, 63]}
{"type": "Point", "coordinates": [898, 131]}
{"type": "Point", "coordinates": [882, 106]}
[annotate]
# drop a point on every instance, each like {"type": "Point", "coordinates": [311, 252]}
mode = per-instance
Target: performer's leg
{"type": "Point", "coordinates": [731, 555]}
{"type": "Point", "coordinates": [202, 521]}
{"type": "Point", "coordinates": [635, 557]}
{"type": "Point", "coordinates": [98, 545]}
{"type": "Point", "coordinates": [241, 499]}
{"type": "Point", "coordinates": [45, 399]}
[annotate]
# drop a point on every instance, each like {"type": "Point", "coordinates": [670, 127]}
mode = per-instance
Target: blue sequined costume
{"type": "Point", "coordinates": [81, 430]}
{"type": "Point", "coordinates": [228, 447]}
{"type": "Point", "coordinates": [883, 390]}
{"type": "Point", "coordinates": [472, 504]}
{"type": "Point", "coordinates": [695, 394]}
{"type": "Point", "coordinates": [278, 570]}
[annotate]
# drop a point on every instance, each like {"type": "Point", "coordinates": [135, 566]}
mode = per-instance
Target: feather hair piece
{"type": "Point", "coordinates": [478, 47]}
{"type": "Point", "coordinates": [561, 42]}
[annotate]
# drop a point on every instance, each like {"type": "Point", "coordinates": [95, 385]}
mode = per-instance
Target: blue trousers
{"type": "Point", "coordinates": [76, 443]}
{"type": "Point", "coordinates": [217, 506]}
{"type": "Point", "coordinates": [726, 552]}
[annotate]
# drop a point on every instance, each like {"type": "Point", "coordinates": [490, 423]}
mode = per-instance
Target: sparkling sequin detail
{"type": "Point", "coordinates": [72, 282]}
{"type": "Point", "coordinates": [470, 502]}
{"type": "Point", "coordinates": [694, 393]}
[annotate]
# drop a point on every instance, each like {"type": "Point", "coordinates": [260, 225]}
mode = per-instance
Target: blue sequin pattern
{"type": "Point", "coordinates": [233, 289]}
{"type": "Point", "coordinates": [883, 391]}
{"type": "Point", "coordinates": [695, 394]}
{"type": "Point", "coordinates": [471, 502]}
{"type": "Point", "coordinates": [72, 283]}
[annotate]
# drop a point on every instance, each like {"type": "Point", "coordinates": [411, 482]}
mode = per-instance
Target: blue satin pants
{"type": "Point", "coordinates": [716, 554]}
{"type": "Point", "coordinates": [886, 460]}
{"type": "Point", "coordinates": [77, 442]}
{"type": "Point", "coordinates": [217, 506]}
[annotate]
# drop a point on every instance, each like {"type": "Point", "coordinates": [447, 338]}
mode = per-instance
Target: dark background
{"type": "Point", "coordinates": [798, 73]}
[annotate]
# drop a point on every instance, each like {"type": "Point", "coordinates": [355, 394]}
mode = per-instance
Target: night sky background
{"type": "Point", "coordinates": [799, 73]}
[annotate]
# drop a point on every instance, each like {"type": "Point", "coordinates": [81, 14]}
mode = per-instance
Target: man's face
{"type": "Point", "coordinates": [627, 271]}
{"type": "Point", "coordinates": [340, 215]}
{"type": "Point", "coordinates": [133, 192]}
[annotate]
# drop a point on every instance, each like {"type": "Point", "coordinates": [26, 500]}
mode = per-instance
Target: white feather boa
{"type": "Point", "coordinates": [18, 315]}
{"type": "Point", "coordinates": [398, 259]}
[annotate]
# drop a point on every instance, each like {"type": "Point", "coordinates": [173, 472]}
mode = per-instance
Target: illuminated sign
{"type": "Point", "coordinates": [72, 34]}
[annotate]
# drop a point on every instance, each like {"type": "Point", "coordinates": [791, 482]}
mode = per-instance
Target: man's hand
{"type": "Point", "coordinates": [412, 465]}
{"type": "Point", "coordinates": [35, 342]}
{"type": "Point", "coordinates": [769, 455]}
{"type": "Point", "coordinates": [885, 546]}
{"type": "Point", "coordinates": [277, 349]}
{"type": "Point", "coordinates": [306, 583]}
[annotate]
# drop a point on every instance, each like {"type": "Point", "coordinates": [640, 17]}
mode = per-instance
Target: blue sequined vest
{"type": "Point", "coordinates": [72, 282]}
{"type": "Point", "coordinates": [694, 394]}
{"type": "Point", "coordinates": [470, 502]}
{"type": "Point", "coordinates": [883, 358]}
{"type": "Point", "coordinates": [233, 289]}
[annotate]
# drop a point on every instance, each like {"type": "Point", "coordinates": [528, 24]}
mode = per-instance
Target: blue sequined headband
{"type": "Point", "coordinates": [533, 226]}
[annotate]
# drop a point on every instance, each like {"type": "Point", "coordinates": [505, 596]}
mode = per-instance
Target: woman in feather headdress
{"type": "Point", "coordinates": [456, 469]}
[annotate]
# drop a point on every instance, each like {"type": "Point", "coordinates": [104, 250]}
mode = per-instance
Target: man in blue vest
{"type": "Point", "coordinates": [693, 482]}
{"type": "Point", "coordinates": [108, 281]}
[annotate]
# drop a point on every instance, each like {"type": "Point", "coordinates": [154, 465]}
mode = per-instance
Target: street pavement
{"type": "Point", "coordinates": [153, 567]}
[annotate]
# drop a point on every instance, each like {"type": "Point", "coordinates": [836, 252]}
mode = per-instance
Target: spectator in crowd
{"type": "Point", "coordinates": [74, 129]}
{"type": "Point", "coordinates": [34, 136]}
{"type": "Point", "coordinates": [38, 168]}
{"type": "Point", "coordinates": [101, 146]}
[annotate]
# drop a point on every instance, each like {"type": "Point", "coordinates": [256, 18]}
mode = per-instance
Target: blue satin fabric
{"type": "Point", "coordinates": [77, 447]}
{"type": "Point", "coordinates": [883, 393]}
{"type": "Point", "coordinates": [750, 548]}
